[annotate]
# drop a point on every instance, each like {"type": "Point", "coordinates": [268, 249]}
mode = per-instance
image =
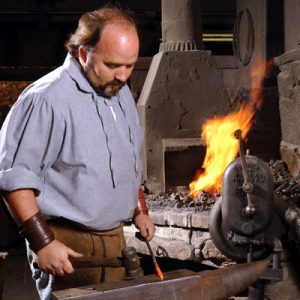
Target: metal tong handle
{"type": "Point", "coordinates": [249, 210]}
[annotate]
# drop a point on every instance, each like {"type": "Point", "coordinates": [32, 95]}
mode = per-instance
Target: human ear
{"type": "Point", "coordinates": [82, 56]}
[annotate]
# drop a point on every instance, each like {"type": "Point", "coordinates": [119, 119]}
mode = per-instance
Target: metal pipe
{"type": "Point", "coordinates": [181, 25]}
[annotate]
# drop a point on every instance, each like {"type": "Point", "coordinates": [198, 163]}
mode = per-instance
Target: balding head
{"type": "Point", "coordinates": [91, 25]}
{"type": "Point", "coordinates": [109, 64]}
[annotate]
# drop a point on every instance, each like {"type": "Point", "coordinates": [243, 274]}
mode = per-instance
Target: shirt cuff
{"type": "Point", "coordinates": [19, 178]}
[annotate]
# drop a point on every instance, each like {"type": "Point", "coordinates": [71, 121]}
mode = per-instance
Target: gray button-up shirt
{"type": "Point", "coordinates": [62, 140]}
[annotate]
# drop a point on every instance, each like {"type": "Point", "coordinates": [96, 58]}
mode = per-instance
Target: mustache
{"type": "Point", "coordinates": [115, 83]}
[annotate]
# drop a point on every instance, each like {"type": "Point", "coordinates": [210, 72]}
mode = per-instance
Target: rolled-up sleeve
{"type": "Point", "coordinates": [30, 141]}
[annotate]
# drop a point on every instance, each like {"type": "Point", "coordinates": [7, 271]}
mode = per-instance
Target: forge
{"type": "Point", "coordinates": [183, 88]}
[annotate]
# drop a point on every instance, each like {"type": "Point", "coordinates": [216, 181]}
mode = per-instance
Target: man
{"type": "Point", "coordinates": [69, 154]}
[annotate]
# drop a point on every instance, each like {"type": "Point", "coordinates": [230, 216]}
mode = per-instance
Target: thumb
{"type": "Point", "coordinates": [143, 231]}
{"type": "Point", "coordinates": [74, 254]}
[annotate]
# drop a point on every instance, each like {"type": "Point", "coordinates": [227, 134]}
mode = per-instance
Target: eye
{"type": "Point", "coordinates": [112, 66]}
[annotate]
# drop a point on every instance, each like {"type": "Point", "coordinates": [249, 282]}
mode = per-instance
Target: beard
{"type": "Point", "coordinates": [109, 89]}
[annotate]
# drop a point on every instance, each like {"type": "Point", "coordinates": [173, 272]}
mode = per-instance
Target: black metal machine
{"type": "Point", "coordinates": [241, 220]}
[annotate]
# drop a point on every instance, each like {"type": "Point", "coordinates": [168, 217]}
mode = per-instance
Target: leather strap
{"type": "Point", "coordinates": [142, 206]}
{"type": "Point", "coordinates": [37, 232]}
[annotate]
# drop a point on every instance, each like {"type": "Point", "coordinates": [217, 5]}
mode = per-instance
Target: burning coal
{"type": "Point", "coordinates": [181, 200]}
{"type": "Point", "coordinates": [218, 133]}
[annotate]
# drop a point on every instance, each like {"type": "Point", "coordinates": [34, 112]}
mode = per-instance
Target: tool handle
{"type": "Point", "coordinates": [249, 210]}
{"type": "Point", "coordinates": [94, 262]}
{"type": "Point", "coordinates": [150, 250]}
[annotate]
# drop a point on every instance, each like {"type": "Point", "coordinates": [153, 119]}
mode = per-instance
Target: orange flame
{"type": "Point", "coordinates": [218, 133]}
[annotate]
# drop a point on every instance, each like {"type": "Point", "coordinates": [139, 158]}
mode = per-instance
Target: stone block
{"type": "Point", "coordinates": [173, 233]}
{"type": "Point", "coordinates": [285, 83]}
{"type": "Point", "coordinates": [200, 220]}
{"type": "Point", "coordinates": [296, 70]}
{"type": "Point", "coordinates": [210, 251]}
{"type": "Point", "coordinates": [162, 247]}
{"type": "Point", "coordinates": [289, 108]}
{"type": "Point", "coordinates": [159, 217]}
{"type": "Point", "coordinates": [199, 238]}
{"type": "Point", "coordinates": [291, 155]}
{"type": "Point", "coordinates": [179, 218]}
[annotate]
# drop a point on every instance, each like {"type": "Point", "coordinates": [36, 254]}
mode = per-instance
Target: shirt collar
{"type": "Point", "coordinates": [72, 66]}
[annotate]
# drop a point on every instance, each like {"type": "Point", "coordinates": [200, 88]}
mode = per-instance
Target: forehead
{"type": "Point", "coordinates": [118, 40]}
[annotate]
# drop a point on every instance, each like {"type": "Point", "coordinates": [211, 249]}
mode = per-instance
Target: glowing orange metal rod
{"type": "Point", "coordinates": [142, 209]}
{"type": "Point", "coordinates": [157, 268]}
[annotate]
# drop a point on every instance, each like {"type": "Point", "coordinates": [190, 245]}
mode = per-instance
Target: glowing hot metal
{"type": "Point", "coordinates": [157, 268]}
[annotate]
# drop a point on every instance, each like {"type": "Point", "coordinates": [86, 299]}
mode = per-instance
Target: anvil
{"type": "Point", "coordinates": [178, 285]}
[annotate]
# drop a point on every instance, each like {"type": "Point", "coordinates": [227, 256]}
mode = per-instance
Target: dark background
{"type": "Point", "coordinates": [33, 32]}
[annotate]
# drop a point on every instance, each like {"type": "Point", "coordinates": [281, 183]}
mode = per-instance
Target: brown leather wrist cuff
{"type": "Point", "coordinates": [37, 232]}
{"type": "Point", "coordinates": [142, 207]}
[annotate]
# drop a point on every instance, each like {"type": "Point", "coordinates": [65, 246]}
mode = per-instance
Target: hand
{"type": "Point", "coordinates": [145, 226]}
{"type": "Point", "coordinates": [54, 258]}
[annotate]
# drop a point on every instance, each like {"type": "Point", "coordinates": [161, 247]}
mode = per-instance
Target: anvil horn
{"type": "Point", "coordinates": [223, 283]}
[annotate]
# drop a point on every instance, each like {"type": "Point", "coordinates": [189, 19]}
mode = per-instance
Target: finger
{"type": "Point", "coordinates": [74, 254]}
{"type": "Point", "coordinates": [50, 270]}
{"type": "Point", "coordinates": [59, 272]}
{"type": "Point", "coordinates": [150, 232]}
{"type": "Point", "coordinates": [143, 231]}
{"type": "Point", "coordinates": [68, 268]}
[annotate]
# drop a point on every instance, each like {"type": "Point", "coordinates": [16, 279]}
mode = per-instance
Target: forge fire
{"type": "Point", "coordinates": [218, 133]}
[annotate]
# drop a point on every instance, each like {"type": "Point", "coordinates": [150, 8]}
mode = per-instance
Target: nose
{"type": "Point", "coordinates": [121, 74]}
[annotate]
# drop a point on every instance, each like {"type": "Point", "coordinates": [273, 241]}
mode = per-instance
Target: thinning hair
{"type": "Point", "coordinates": [91, 25]}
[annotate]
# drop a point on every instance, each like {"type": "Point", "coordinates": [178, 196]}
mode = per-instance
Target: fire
{"type": "Point", "coordinates": [218, 133]}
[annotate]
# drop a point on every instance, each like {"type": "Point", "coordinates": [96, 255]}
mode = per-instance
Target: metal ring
{"type": "Point", "coordinates": [244, 61]}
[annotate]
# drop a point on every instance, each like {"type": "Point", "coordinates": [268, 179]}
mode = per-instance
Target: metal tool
{"type": "Point", "coordinates": [131, 263]}
{"type": "Point", "coordinates": [247, 186]}
{"type": "Point", "coordinates": [156, 266]}
{"type": "Point", "coordinates": [129, 260]}
{"type": "Point", "coordinates": [178, 285]}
